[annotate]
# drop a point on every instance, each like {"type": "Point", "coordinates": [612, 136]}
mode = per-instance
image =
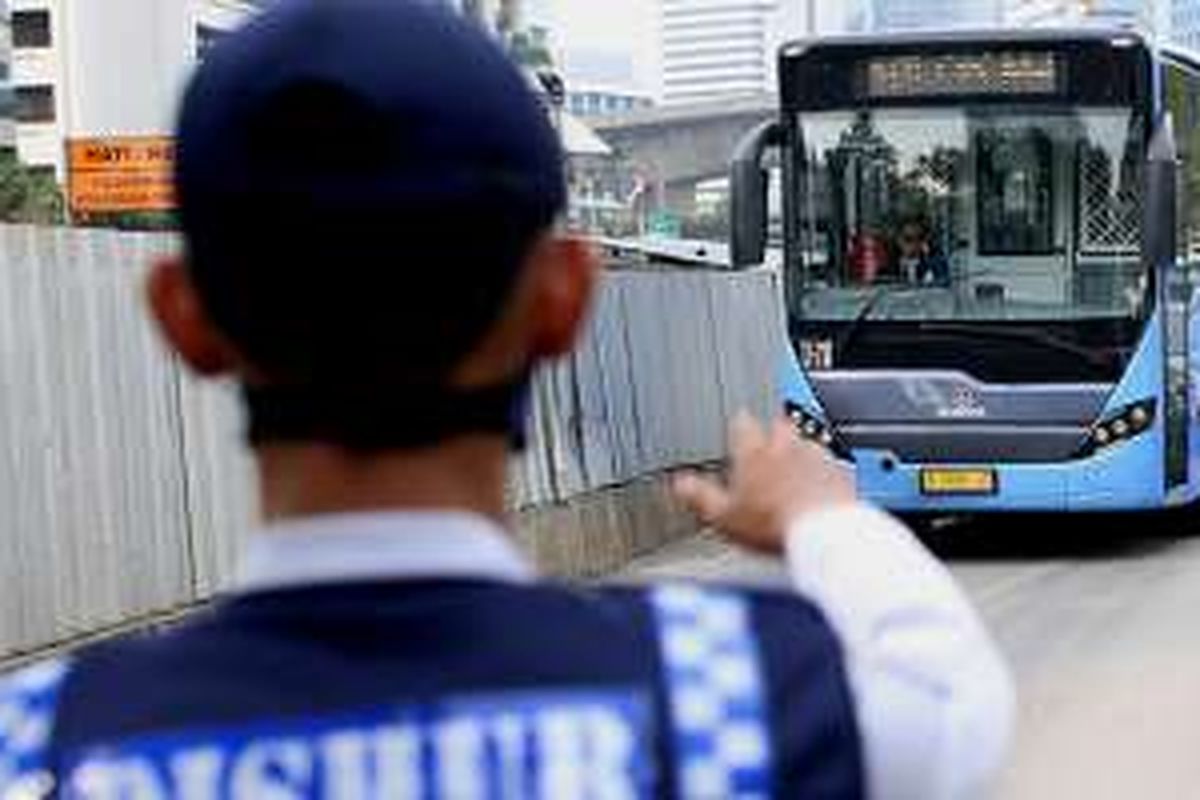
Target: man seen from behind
{"type": "Point", "coordinates": [369, 195]}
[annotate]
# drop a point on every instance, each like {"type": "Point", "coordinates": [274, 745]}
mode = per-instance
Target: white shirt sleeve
{"type": "Point", "coordinates": [934, 699]}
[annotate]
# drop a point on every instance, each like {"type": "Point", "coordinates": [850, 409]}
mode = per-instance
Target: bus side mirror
{"type": "Point", "coordinates": [748, 196]}
{"type": "Point", "coordinates": [1162, 190]}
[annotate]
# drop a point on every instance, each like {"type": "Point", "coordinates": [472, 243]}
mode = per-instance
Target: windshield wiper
{"type": "Point", "coordinates": [864, 315]}
{"type": "Point", "coordinates": [1033, 336]}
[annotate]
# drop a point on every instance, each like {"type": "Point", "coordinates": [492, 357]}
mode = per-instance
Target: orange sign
{"type": "Point", "coordinates": [122, 173]}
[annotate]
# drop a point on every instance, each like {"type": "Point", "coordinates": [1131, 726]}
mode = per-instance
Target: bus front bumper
{"type": "Point", "coordinates": [1127, 477]}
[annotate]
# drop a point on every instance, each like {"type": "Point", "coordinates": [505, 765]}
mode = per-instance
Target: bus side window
{"type": "Point", "coordinates": [1183, 97]}
{"type": "Point", "coordinates": [1183, 100]}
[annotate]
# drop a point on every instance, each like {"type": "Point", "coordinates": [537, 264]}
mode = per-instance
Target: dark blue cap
{"type": "Point", "coordinates": [443, 112]}
{"type": "Point", "coordinates": [360, 182]}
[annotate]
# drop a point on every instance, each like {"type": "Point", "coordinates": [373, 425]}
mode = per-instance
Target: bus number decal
{"type": "Point", "coordinates": [816, 354]}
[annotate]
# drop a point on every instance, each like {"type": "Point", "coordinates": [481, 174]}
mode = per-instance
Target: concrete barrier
{"type": "Point", "coordinates": [124, 492]}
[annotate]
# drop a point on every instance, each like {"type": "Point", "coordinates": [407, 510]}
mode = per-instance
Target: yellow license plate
{"type": "Point", "coordinates": [958, 481]}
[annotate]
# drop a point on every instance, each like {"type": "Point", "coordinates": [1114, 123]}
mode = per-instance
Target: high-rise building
{"type": "Point", "coordinates": [891, 15]}
{"type": "Point", "coordinates": [894, 15]}
{"type": "Point", "coordinates": [1106, 13]}
{"type": "Point", "coordinates": [8, 128]}
{"type": "Point", "coordinates": [607, 48]}
{"type": "Point", "coordinates": [584, 100]}
{"type": "Point", "coordinates": [83, 68]}
{"type": "Point", "coordinates": [713, 49]}
{"type": "Point", "coordinates": [1185, 23]}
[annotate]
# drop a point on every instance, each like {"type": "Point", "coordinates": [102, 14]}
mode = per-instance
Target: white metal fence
{"type": "Point", "coordinates": [123, 489]}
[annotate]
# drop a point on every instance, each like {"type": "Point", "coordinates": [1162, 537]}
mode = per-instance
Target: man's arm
{"type": "Point", "coordinates": [933, 698]}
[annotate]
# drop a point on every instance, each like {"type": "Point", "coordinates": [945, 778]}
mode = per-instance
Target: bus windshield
{"type": "Point", "coordinates": [996, 213]}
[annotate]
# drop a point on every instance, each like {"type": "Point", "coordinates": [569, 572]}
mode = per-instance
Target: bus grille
{"type": "Point", "coordinates": [968, 444]}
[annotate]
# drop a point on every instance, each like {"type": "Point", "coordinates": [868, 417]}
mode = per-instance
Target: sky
{"type": "Point", "coordinates": [612, 43]}
{"type": "Point", "coordinates": [609, 42]}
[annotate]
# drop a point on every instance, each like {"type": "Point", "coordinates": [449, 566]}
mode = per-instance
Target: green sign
{"type": "Point", "coordinates": [665, 224]}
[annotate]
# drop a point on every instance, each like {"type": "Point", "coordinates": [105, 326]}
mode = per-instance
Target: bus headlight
{"type": "Point", "coordinates": [1139, 417]}
{"type": "Point", "coordinates": [1127, 423]}
{"type": "Point", "coordinates": [814, 429]}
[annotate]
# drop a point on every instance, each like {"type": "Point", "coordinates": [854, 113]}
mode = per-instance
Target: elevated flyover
{"type": "Point", "coordinates": [674, 148]}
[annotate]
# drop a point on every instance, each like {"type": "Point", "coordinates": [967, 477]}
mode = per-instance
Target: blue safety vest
{"type": "Point", "coordinates": [447, 689]}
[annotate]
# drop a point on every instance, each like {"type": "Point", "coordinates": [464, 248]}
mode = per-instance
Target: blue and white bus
{"type": "Point", "coordinates": [988, 241]}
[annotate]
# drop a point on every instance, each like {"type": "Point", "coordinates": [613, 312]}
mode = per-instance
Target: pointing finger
{"type": "Point", "coordinates": [707, 500]}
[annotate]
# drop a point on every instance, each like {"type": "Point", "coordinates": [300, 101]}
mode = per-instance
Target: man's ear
{"type": "Point", "coordinates": [567, 274]}
{"type": "Point", "coordinates": [176, 307]}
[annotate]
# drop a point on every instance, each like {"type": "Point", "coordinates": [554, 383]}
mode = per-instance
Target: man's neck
{"type": "Point", "coordinates": [467, 474]}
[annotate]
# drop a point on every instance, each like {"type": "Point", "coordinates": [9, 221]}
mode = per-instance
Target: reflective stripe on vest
{"type": "Point", "coordinates": [717, 699]}
{"type": "Point", "coordinates": [28, 707]}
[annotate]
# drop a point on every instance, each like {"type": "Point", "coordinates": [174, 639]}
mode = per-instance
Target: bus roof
{"type": "Point", "coordinates": [996, 36]}
{"type": "Point", "coordinates": [1169, 51]}
{"type": "Point", "coordinates": [1181, 55]}
{"type": "Point", "coordinates": [1109, 66]}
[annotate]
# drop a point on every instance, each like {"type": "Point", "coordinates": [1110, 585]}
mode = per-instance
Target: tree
{"type": "Point", "coordinates": [866, 163]}
{"type": "Point", "coordinates": [531, 48]}
{"type": "Point", "coordinates": [505, 20]}
{"type": "Point", "coordinates": [473, 9]}
{"type": "Point", "coordinates": [508, 18]}
{"type": "Point", "coordinates": [28, 195]}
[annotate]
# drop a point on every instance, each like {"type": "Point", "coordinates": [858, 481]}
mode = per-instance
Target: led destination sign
{"type": "Point", "coordinates": [997, 73]}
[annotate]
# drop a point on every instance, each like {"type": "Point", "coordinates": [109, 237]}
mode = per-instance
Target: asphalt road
{"type": "Point", "coordinates": [1101, 623]}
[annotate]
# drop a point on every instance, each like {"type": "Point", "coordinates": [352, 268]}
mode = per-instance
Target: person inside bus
{"type": "Point", "coordinates": [867, 256]}
{"type": "Point", "coordinates": [383, 301]}
{"type": "Point", "coordinates": [918, 261]}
